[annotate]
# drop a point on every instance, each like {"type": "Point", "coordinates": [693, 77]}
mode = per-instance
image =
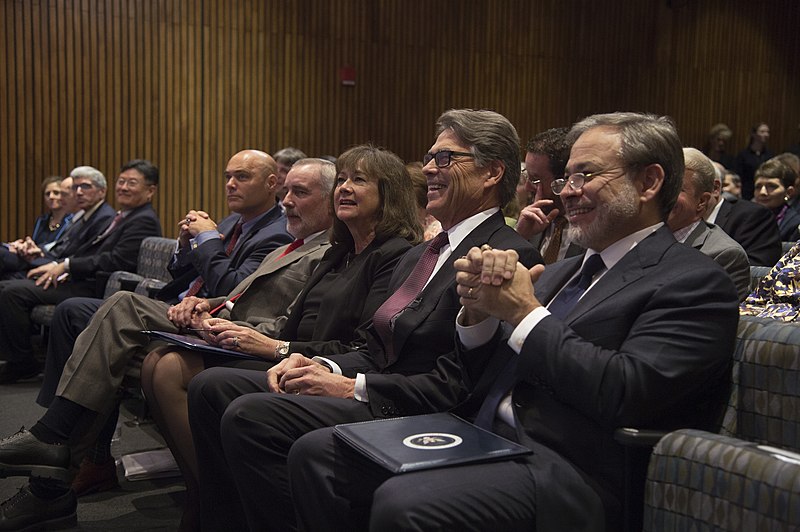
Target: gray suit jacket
{"type": "Point", "coordinates": [265, 297]}
{"type": "Point", "coordinates": [712, 241]}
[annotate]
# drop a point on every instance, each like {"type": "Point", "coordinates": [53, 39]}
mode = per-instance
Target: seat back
{"type": "Point", "coordinates": [764, 405]}
{"type": "Point", "coordinates": [155, 255]}
{"type": "Point", "coordinates": [703, 481]}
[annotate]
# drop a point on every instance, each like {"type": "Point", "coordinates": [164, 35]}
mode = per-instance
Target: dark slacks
{"type": "Point", "coordinates": [335, 488]}
{"type": "Point", "coordinates": [17, 299]}
{"type": "Point", "coordinates": [69, 320]}
{"type": "Point", "coordinates": [243, 435]}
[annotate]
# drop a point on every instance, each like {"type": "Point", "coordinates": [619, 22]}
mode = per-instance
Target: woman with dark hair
{"type": "Point", "coordinates": [754, 155]}
{"type": "Point", "coordinates": [774, 188]}
{"type": "Point", "coordinates": [375, 223]}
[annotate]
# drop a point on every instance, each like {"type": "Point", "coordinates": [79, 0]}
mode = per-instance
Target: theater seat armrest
{"type": "Point", "coordinates": [631, 437]}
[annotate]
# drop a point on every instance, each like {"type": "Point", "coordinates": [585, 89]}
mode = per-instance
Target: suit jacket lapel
{"type": "Point", "coordinates": [274, 262]}
{"type": "Point", "coordinates": [407, 322]}
{"type": "Point", "coordinates": [272, 215]}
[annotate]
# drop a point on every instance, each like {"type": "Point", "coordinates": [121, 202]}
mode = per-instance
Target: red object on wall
{"type": "Point", "coordinates": [347, 76]}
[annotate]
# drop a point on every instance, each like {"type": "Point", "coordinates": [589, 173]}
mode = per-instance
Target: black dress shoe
{"type": "Point", "coordinates": [26, 511]}
{"type": "Point", "coordinates": [11, 372]}
{"type": "Point", "coordinates": [23, 455]}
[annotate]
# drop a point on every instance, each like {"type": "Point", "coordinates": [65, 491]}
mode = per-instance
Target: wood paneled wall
{"type": "Point", "coordinates": [187, 83]}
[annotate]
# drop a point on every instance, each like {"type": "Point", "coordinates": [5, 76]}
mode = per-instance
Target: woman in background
{"type": "Point", "coordinates": [774, 188]}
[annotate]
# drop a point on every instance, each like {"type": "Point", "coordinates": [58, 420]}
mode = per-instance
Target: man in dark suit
{"type": "Point", "coordinates": [209, 262]}
{"type": "Point", "coordinates": [80, 273]}
{"type": "Point", "coordinates": [87, 188]}
{"type": "Point", "coordinates": [647, 345]}
{"type": "Point", "coordinates": [543, 222]}
{"type": "Point", "coordinates": [472, 170]}
{"type": "Point", "coordinates": [86, 391]}
{"type": "Point", "coordinates": [750, 224]}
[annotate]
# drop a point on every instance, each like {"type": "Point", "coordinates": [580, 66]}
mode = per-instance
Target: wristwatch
{"type": "Point", "coordinates": [282, 350]}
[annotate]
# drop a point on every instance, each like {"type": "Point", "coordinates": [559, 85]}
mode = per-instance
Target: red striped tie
{"type": "Point", "coordinates": [198, 283]}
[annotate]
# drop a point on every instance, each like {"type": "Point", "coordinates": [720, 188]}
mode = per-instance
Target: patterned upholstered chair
{"type": "Point", "coordinates": [747, 477]}
{"type": "Point", "coordinates": [155, 254]}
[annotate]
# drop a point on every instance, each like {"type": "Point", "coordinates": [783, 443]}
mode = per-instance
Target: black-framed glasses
{"type": "Point", "coordinates": [577, 180]}
{"type": "Point", "coordinates": [443, 157]}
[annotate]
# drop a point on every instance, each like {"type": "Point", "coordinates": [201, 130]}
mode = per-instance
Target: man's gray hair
{"type": "Point", "coordinates": [646, 139]}
{"type": "Point", "coordinates": [91, 173]}
{"type": "Point", "coordinates": [327, 172]}
{"type": "Point", "coordinates": [491, 137]}
{"type": "Point", "coordinates": [703, 170]}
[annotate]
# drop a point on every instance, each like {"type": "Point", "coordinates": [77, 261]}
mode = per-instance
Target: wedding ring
{"type": "Point", "coordinates": [236, 341]}
{"type": "Point", "coordinates": [297, 391]}
{"type": "Point", "coordinates": [469, 293]}
{"type": "Point", "coordinates": [486, 247]}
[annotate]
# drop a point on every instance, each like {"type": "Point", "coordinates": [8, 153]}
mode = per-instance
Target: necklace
{"type": "Point", "coordinates": [53, 225]}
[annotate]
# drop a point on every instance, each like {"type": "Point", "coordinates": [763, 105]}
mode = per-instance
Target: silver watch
{"type": "Point", "coordinates": [282, 350]}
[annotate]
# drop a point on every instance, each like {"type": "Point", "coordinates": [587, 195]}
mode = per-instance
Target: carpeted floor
{"type": "Point", "coordinates": [140, 505]}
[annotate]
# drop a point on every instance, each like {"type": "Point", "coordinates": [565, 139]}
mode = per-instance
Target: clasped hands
{"type": "Point", "coordinates": [492, 282]}
{"type": "Point", "coordinates": [298, 374]}
{"type": "Point", "coordinates": [194, 223]}
{"type": "Point", "coordinates": [48, 275]}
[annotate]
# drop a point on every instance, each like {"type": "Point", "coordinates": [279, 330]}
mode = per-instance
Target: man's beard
{"type": "Point", "coordinates": [612, 219]}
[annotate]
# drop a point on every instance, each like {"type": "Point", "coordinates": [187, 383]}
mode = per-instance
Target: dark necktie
{"type": "Point", "coordinates": [113, 225]}
{"type": "Point", "coordinates": [291, 247]}
{"type": "Point", "coordinates": [559, 307]}
{"type": "Point", "coordinates": [384, 317]}
{"type": "Point", "coordinates": [550, 254]}
{"type": "Point", "coordinates": [198, 283]}
{"type": "Point", "coordinates": [569, 296]}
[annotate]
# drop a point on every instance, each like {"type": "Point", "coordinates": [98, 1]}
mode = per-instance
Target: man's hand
{"type": "Point", "coordinates": [189, 312]}
{"type": "Point", "coordinates": [533, 219]}
{"type": "Point", "coordinates": [194, 223]}
{"type": "Point", "coordinates": [314, 379]}
{"type": "Point", "coordinates": [493, 283]}
{"type": "Point", "coordinates": [48, 275]}
{"type": "Point", "coordinates": [275, 373]}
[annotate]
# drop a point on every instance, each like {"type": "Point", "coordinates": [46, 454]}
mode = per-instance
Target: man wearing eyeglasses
{"type": "Point", "coordinates": [115, 247]}
{"type": "Point", "coordinates": [92, 215]}
{"type": "Point", "coordinates": [639, 332]}
{"type": "Point", "coordinates": [472, 170]}
{"type": "Point", "coordinates": [543, 222]}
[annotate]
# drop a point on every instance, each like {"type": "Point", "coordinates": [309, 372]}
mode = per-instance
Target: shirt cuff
{"type": "Point", "coordinates": [202, 238]}
{"type": "Point", "coordinates": [335, 369]}
{"type": "Point", "coordinates": [525, 327]}
{"type": "Point", "coordinates": [472, 336]}
{"type": "Point", "coordinates": [360, 390]}
{"type": "Point", "coordinates": [66, 264]}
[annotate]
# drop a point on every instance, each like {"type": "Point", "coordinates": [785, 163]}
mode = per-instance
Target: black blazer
{"type": "Point", "coordinates": [424, 335]}
{"type": "Point", "coordinates": [220, 272]}
{"type": "Point", "coordinates": [753, 227]}
{"type": "Point", "coordinates": [649, 346]}
{"type": "Point", "coordinates": [119, 250]}
{"type": "Point", "coordinates": [345, 310]}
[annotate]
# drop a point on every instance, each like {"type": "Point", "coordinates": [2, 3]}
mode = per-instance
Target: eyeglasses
{"type": "Point", "coordinates": [443, 157]}
{"type": "Point", "coordinates": [577, 180]}
{"type": "Point", "coordinates": [82, 186]}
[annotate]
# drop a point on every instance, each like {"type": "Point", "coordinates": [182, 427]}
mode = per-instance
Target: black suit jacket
{"type": "Point", "coordinates": [220, 272]}
{"type": "Point", "coordinates": [424, 333]}
{"type": "Point", "coordinates": [81, 233]}
{"type": "Point", "coordinates": [753, 227]}
{"type": "Point", "coordinates": [648, 346]}
{"type": "Point", "coordinates": [119, 250]}
{"type": "Point", "coordinates": [338, 323]}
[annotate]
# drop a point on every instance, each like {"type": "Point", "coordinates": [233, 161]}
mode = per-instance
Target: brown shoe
{"type": "Point", "coordinates": [93, 478]}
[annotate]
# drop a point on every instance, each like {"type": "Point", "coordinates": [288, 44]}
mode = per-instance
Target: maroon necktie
{"type": "Point", "coordinates": [198, 283]}
{"type": "Point", "coordinates": [113, 225]}
{"type": "Point", "coordinates": [384, 317]}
